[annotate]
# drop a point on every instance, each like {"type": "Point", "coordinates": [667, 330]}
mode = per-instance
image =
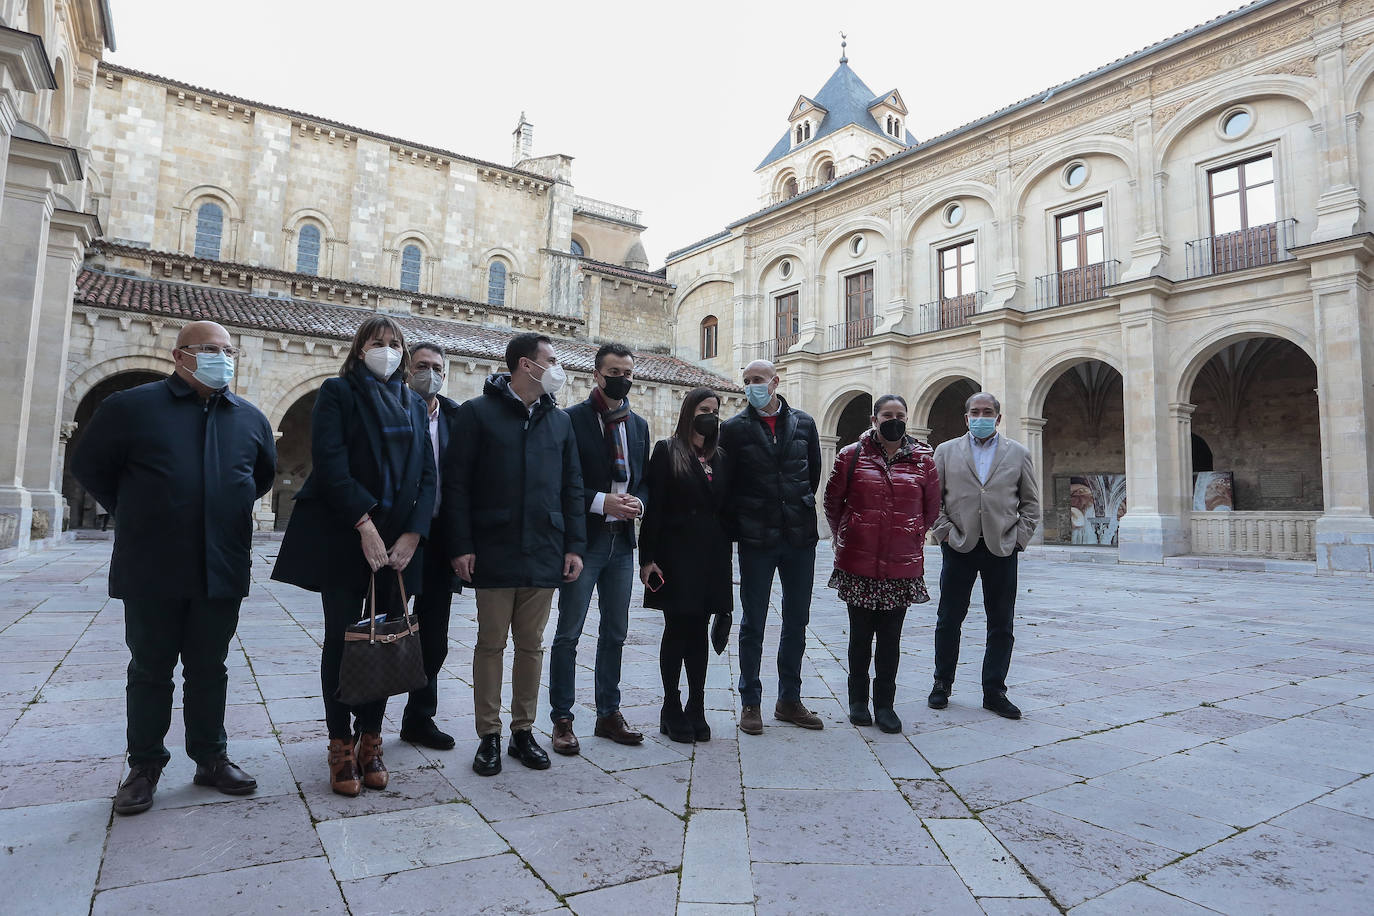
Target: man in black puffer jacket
{"type": "Point", "coordinates": [773, 460]}
{"type": "Point", "coordinates": [514, 522]}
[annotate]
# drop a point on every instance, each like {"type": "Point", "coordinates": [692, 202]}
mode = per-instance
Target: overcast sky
{"type": "Point", "coordinates": [666, 107]}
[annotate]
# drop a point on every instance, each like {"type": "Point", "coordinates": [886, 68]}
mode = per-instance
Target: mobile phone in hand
{"type": "Point", "coordinates": [655, 581]}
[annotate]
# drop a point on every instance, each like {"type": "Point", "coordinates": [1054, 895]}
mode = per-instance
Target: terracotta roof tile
{"type": "Point", "coordinates": [654, 277]}
{"type": "Point", "coordinates": [234, 309]}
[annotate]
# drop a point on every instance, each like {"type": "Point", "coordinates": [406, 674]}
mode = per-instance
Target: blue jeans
{"type": "Point", "coordinates": [609, 568]}
{"type": "Point", "coordinates": [796, 567]}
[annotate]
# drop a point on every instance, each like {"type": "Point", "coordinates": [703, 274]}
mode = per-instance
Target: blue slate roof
{"type": "Point", "coordinates": [845, 99]}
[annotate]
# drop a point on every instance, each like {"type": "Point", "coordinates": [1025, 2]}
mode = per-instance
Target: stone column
{"type": "Point", "coordinates": [68, 236]}
{"type": "Point", "coordinates": [1182, 416]}
{"type": "Point", "coordinates": [34, 169]}
{"type": "Point", "coordinates": [1153, 527]}
{"type": "Point", "coordinates": [1000, 341]}
{"type": "Point", "coordinates": [23, 69]}
{"type": "Point", "coordinates": [1035, 444]}
{"type": "Point", "coordinates": [828, 449]}
{"type": "Point", "coordinates": [1344, 311]}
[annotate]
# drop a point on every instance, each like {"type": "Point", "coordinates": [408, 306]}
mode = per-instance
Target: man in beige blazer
{"type": "Point", "coordinates": [989, 507]}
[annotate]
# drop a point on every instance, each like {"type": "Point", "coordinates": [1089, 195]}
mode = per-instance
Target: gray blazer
{"type": "Point", "coordinates": [1003, 511]}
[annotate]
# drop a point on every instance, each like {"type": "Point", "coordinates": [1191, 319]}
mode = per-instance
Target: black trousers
{"type": "Point", "coordinates": [866, 624]}
{"type": "Point", "coordinates": [157, 632]}
{"type": "Point", "coordinates": [957, 574]}
{"type": "Point", "coordinates": [432, 608]}
{"type": "Point", "coordinates": [686, 642]}
{"type": "Point", "coordinates": [342, 608]}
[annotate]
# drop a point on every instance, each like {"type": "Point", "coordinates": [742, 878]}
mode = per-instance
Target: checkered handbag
{"type": "Point", "coordinates": [381, 660]}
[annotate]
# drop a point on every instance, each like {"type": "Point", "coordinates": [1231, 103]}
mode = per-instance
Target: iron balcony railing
{"type": "Point", "coordinates": [955, 312]}
{"type": "Point", "coordinates": [1252, 247]}
{"type": "Point", "coordinates": [852, 333]}
{"type": "Point", "coordinates": [770, 349]}
{"type": "Point", "coordinates": [1080, 284]}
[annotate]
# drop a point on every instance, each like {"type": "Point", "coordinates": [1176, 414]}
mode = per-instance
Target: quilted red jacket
{"type": "Point", "coordinates": [878, 514]}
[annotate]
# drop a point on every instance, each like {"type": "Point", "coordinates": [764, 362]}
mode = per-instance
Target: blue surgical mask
{"type": "Point", "coordinates": [758, 395]}
{"type": "Point", "coordinates": [982, 427]}
{"type": "Point", "coordinates": [214, 370]}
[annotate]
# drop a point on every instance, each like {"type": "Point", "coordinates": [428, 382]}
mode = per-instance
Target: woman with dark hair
{"type": "Point", "coordinates": [882, 497]}
{"type": "Point", "coordinates": [684, 557]}
{"type": "Point", "coordinates": [365, 507]}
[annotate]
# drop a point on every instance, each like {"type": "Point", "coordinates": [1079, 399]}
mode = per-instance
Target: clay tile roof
{"type": "Point", "coordinates": [235, 309]}
{"type": "Point", "coordinates": [653, 277]}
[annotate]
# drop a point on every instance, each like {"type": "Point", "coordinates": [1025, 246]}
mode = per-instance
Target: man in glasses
{"type": "Point", "coordinates": [180, 463]}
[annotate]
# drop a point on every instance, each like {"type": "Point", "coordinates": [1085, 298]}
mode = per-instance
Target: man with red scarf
{"type": "Point", "coordinates": [613, 445]}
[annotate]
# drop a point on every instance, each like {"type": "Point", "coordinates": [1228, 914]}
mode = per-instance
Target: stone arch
{"type": "Point", "coordinates": [1049, 372]}
{"type": "Point", "coordinates": [307, 214]}
{"type": "Point", "coordinates": [279, 399]}
{"type": "Point", "coordinates": [215, 192]}
{"type": "Point", "coordinates": [59, 114]}
{"type": "Point", "coordinates": [774, 255]}
{"type": "Point", "coordinates": [1299, 89]}
{"type": "Point", "coordinates": [938, 198]}
{"type": "Point", "coordinates": [815, 166]}
{"type": "Point", "coordinates": [83, 509]}
{"type": "Point", "coordinates": [696, 284]}
{"type": "Point", "coordinates": [836, 405]}
{"type": "Point", "coordinates": [137, 358]}
{"type": "Point", "coordinates": [1358, 79]}
{"type": "Point", "coordinates": [934, 392]}
{"type": "Point", "coordinates": [507, 255]}
{"type": "Point", "coordinates": [840, 233]}
{"type": "Point", "coordinates": [1090, 145]}
{"type": "Point", "coordinates": [1210, 345]}
{"type": "Point", "coordinates": [780, 184]}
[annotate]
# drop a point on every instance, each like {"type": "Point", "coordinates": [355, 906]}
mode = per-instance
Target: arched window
{"type": "Point", "coordinates": [209, 230]}
{"type": "Point", "coordinates": [496, 283]}
{"type": "Point", "coordinates": [828, 172]}
{"type": "Point", "coordinates": [308, 250]}
{"type": "Point", "coordinates": [799, 133]}
{"type": "Point", "coordinates": [789, 189]}
{"type": "Point", "coordinates": [808, 130]}
{"type": "Point", "coordinates": [576, 248]}
{"type": "Point", "coordinates": [410, 268]}
{"type": "Point", "coordinates": [709, 338]}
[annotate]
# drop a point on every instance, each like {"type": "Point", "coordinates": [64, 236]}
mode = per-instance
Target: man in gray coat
{"type": "Point", "coordinates": [989, 507]}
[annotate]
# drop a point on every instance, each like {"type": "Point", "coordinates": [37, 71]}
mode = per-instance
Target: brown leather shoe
{"type": "Point", "coordinates": [615, 728]}
{"type": "Point", "coordinates": [564, 741]}
{"type": "Point", "coordinates": [751, 721]}
{"type": "Point", "coordinates": [343, 768]}
{"type": "Point", "coordinates": [795, 711]}
{"type": "Point", "coordinates": [375, 775]}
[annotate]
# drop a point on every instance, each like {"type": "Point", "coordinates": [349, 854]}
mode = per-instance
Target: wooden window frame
{"type": "Point", "coordinates": [1241, 189]}
{"type": "Point", "coordinates": [780, 335]}
{"type": "Point", "coordinates": [710, 337]}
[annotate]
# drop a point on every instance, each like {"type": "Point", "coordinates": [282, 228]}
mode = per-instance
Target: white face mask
{"type": "Point", "coordinates": [383, 361]}
{"type": "Point", "coordinates": [553, 379]}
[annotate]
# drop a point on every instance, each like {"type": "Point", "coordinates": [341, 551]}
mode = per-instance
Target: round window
{"type": "Point", "coordinates": [954, 214]}
{"type": "Point", "coordinates": [785, 268]}
{"type": "Point", "coordinates": [1236, 123]}
{"type": "Point", "coordinates": [857, 245]}
{"type": "Point", "coordinates": [1075, 174]}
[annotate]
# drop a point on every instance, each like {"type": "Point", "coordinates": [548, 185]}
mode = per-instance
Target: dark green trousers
{"type": "Point", "coordinates": [158, 632]}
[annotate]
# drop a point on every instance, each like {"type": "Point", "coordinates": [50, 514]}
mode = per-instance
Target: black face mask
{"type": "Point", "coordinates": [617, 386]}
{"type": "Point", "coordinates": [892, 430]}
{"type": "Point", "coordinates": [705, 423]}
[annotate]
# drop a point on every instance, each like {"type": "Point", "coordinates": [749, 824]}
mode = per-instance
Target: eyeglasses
{"type": "Point", "coordinates": [211, 350]}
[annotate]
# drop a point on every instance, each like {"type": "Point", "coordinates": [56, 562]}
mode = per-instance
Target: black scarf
{"type": "Point", "coordinates": [387, 401]}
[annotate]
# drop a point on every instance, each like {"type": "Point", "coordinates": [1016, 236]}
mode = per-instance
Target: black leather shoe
{"type": "Point", "coordinates": [524, 749]}
{"type": "Point", "coordinates": [426, 734]}
{"type": "Point", "coordinates": [939, 695]}
{"type": "Point", "coordinates": [224, 775]}
{"type": "Point", "coordinates": [136, 792]}
{"type": "Point", "coordinates": [673, 723]}
{"type": "Point", "coordinates": [887, 720]}
{"type": "Point", "coordinates": [999, 704]}
{"type": "Point", "coordinates": [859, 715]}
{"type": "Point", "coordinates": [488, 759]}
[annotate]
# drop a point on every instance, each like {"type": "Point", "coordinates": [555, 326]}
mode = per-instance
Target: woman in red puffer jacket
{"type": "Point", "coordinates": [883, 495]}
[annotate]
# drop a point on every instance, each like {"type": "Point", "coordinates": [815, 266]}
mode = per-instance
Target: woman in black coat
{"type": "Point", "coordinates": [684, 557]}
{"type": "Point", "coordinates": [365, 506]}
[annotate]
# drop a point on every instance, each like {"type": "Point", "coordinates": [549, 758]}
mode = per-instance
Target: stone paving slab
{"type": "Point", "coordinates": [1194, 741]}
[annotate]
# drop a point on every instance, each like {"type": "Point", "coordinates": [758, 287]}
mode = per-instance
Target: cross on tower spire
{"type": "Point", "coordinates": [844, 57]}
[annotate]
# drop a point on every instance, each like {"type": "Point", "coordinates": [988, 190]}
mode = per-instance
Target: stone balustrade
{"type": "Point", "coordinates": [1280, 535]}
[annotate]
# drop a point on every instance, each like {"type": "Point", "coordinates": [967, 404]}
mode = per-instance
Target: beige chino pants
{"type": "Point", "coordinates": [523, 613]}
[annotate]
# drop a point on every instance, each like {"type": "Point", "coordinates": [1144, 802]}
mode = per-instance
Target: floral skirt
{"type": "Point", "coordinates": [879, 594]}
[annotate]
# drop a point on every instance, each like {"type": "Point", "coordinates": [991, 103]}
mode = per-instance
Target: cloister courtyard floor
{"type": "Point", "coordinates": [1194, 741]}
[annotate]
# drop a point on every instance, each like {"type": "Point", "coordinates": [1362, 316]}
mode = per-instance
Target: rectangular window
{"type": "Point", "coordinates": [788, 321]}
{"type": "Point", "coordinates": [1082, 252]}
{"type": "Point", "coordinates": [1244, 215]}
{"type": "Point", "coordinates": [708, 338]}
{"type": "Point", "coordinates": [958, 284]}
{"type": "Point", "coordinates": [858, 307]}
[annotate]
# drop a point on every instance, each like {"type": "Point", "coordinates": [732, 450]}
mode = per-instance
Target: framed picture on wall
{"type": "Point", "coordinates": [1214, 491]}
{"type": "Point", "coordinates": [1089, 507]}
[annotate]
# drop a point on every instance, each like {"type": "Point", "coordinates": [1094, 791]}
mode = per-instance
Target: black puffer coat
{"type": "Point", "coordinates": [773, 479]}
{"type": "Point", "coordinates": [512, 490]}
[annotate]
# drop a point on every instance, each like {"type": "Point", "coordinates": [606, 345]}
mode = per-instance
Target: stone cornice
{"type": "Point", "coordinates": [24, 59]}
{"type": "Point", "coordinates": [86, 226]}
{"type": "Point", "coordinates": [62, 163]}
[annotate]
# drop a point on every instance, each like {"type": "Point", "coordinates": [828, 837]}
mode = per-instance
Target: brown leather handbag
{"type": "Point", "coordinates": [381, 659]}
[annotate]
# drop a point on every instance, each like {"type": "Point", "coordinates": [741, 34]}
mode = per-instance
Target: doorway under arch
{"type": "Point", "coordinates": [946, 420]}
{"type": "Point", "coordinates": [856, 417]}
{"type": "Point", "coordinates": [1084, 455]}
{"type": "Point", "coordinates": [293, 457]}
{"type": "Point", "coordinates": [82, 507]}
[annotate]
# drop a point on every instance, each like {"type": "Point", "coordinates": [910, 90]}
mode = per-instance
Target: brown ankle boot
{"type": "Point", "coordinates": [375, 775]}
{"type": "Point", "coordinates": [343, 768]}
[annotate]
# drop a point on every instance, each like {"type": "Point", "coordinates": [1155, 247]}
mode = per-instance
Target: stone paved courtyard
{"type": "Point", "coordinates": [1194, 741]}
